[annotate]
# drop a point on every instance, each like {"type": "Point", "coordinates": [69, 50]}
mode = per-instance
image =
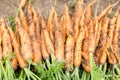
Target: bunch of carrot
{"type": "Point", "coordinates": [70, 39]}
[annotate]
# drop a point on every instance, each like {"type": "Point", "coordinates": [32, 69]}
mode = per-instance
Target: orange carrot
{"type": "Point", "coordinates": [14, 63]}
{"type": "Point", "coordinates": [23, 20]}
{"type": "Point", "coordinates": [45, 53]}
{"type": "Point", "coordinates": [69, 48]}
{"type": "Point", "coordinates": [88, 12]}
{"type": "Point", "coordinates": [35, 44]}
{"type": "Point", "coordinates": [59, 43]}
{"type": "Point", "coordinates": [64, 24]}
{"type": "Point", "coordinates": [78, 48]}
{"type": "Point", "coordinates": [26, 48]}
{"type": "Point", "coordinates": [100, 16]}
{"type": "Point", "coordinates": [16, 47]}
{"type": "Point", "coordinates": [23, 3]}
{"type": "Point", "coordinates": [48, 42]}
{"type": "Point", "coordinates": [36, 18]}
{"type": "Point", "coordinates": [77, 17]}
{"type": "Point", "coordinates": [50, 25]}
{"type": "Point", "coordinates": [86, 65]}
{"type": "Point", "coordinates": [7, 47]}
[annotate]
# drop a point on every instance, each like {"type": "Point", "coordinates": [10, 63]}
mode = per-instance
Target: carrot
{"type": "Point", "coordinates": [14, 63]}
{"type": "Point", "coordinates": [78, 48]}
{"type": "Point", "coordinates": [69, 47]}
{"type": "Point", "coordinates": [105, 23]}
{"type": "Point", "coordinates": [115, 37]}
{"type": "Point", "coordinates": [45, 53]}
{"type": "Point", "coordinates": [88, 12]}
{"type": "Point", "coordinates": [23, 20]}
{"type": "Point", "coordinates": [77, 17]}
{"type": "Point", "coordinates": [7, 47]}
{"type": "Point", "coordinates": [85, 44]}
{"type": "Point", "coordinates": [48, 41]}
{"type": "Point", "coordinates": [1, 53]}
{"type": "Point", "coordinates": [98, 32]}
{"type": "Point", "coordinates": [16, 47]}
{"type": "Point", "coordinates": [69, 28]}
{"type": "Point", "coordinates": [36, 18]}
{"type": "Point", "coordinates": [108, 8]}
{"type": "Point", "coordinates": [64, 24]}
{"type": "Point", "coordinates": [59, 43]}
{"type": "Point", "coordinates": [86, 65]}
{"type": "Point", "coordinates": [50, 25]}
{"type": "Point", "coordinates": [91, 38]}
{"type": "Point", "coordinates": [35, 44]}
{"type": "Point", "coordinates": [26, 47]}
{"type": "Point", "coordinates": [103, 57]}
{"type": "Point", "coordinates": [112, 58]}
{"type": "Point", "coordinates": [23, 3]}
{"type": "Point", "coordinates": [97, 54]}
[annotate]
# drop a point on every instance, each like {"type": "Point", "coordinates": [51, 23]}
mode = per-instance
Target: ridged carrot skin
{"type": "Point", "coordinates": [45, 53]}
{"type": "Point", "coordinates": [88, 12]}
{"type": "Point", "coordinates": [23, 19]}
{"type": "Point", "coordinates": [78, 48]}
{"type": "Point", "coordinates": [69, 48]}
{"type": "Point", "coordinates": [76, 18]}
{"type": "Point", "coordinates": [59, 42]}
{"type": "Point", "coordinates": [35, 43]}
{"type": "Point", "coordinates": [26, 47]}
{"type": "Point", "coordinates": [48, 41]}
{"type": "Point", "coordinates": [16, 47]}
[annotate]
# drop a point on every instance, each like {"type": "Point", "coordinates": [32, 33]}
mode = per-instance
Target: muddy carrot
{"type": "Point", "coordinates": [86, 65]}
{"type": "Point", "coordinates": [78, 48]}
{"type": "Point", "coordinates": [88, 12]}
{"type": "Point", "coordinates": [35, 44]}
{"type": "Point", "coordinates": [26, 47]}
{"type": "Point", "coordinates": [14, 63]}
{"type": "Point", "coordinates": [50, 25]}
{"type": "Point", "coordinates": [77, 17]}
{"type": "Point", "coordinates": [48, 41]}
{"type": "Point", "coordinates": [36, 19]}
{"type": "Point", "coordinates": [6, 41]}
{"type": "Point", "coordinates": [59, 43]}
{"type": "Point", "coordinates": [23, 20]}
{"type": "Point", "coordinates": [23, 3]}
{"type": "Point", "coordinates": [108, 8]}
{"type": "Point", "coordinates": [45, 53]}
{"type": "Point", "coordinates": [69, 51]}
{"type": "Point", "coordinates": [16, 47]}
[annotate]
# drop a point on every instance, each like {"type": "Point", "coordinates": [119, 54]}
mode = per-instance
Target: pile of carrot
{"type": "Point", "coordinates": [71, 39]}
